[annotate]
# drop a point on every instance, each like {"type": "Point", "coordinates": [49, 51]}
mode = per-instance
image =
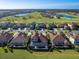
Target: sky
{"type": "Point", "coordinates": [39, 4]}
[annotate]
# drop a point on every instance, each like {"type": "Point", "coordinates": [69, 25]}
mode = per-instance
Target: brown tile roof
{"type": "Point", "coordinates": [59, 37]}
{"type": "Point", "coordinates": [21, 37]}
{"type": "Point", "coordinates": [40, 36]}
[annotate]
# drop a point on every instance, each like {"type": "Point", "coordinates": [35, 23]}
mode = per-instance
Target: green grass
{"type": "Point", "coordinates": [46, 20]}
{"type": "Point", "coordinates": [38, 18]}
{"type": "Point", "coordinates": [24, 54]}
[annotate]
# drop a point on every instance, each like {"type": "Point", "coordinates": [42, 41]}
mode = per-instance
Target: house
{"type": "Point", "coordinates": [5, 38]}
{"type": "Point", "coordinates": [10, 25]}
{"type": "Point", "coordinates": [38, 42]}
{"type": "Point", "coordinates": [48, 14]}
{"type": "Point", "coordinates": [74, 39]}
{"type": "Point", "coordinates": [6, 25]}
{"type": "Point", "coordinates": [52, 26]}
{"type": "Point", "coordinates": [76, 42]}
{"type": "Point", "coordinates": [40, 26]}
{"type": "Point", "coordinates": [59, 41]}
{"type": "Point", "coordinates": [16, 26]}
{"type": "Point", "coordinates": [63, 25]}
{"type": "Point", "coordinates": [19, 41]}
{"type": "Point", "coordinates": [75, 26]}
{"type": "Point", "coordinates": [1, 25]}
{"type": "Point", "coordinates": [33, 26]}
{"type": "Point", "coordinates": [22, 26]}
{"type": "Point", "coordinates": [27, 26]}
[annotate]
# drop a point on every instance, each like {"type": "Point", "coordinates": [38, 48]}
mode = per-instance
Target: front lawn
{"type": "Point", "coordinates": [24, 54]}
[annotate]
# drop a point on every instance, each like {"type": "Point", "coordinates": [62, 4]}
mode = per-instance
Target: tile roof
{"type": "Point", "coordinates": [59, 40]}
{"type": "Point", "coordinates": [40, 36]}
{"type": "Point", "coordinates": [20, 38]}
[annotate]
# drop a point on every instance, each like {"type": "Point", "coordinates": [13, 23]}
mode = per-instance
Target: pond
{"type": "Point", "coordinates": [67, 16]}
{"type": "Point", "coordinates": [22, 14]}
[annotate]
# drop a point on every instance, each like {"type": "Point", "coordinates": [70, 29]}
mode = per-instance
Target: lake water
{"type": "Point", "coordinates": [23, 14]}
{"type": "Point", "coordinates": [65, 16]}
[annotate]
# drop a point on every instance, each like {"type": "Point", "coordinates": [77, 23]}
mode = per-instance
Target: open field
{"type": "Point", "coordinates": [24, 54]}
{"type": "Point", "coordinates": [45, 20]}
{"type": "Point", "coordinates": [38, 18]}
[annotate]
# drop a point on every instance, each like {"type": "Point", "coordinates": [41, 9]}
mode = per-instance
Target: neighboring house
{"type": "Point", "coordinates": [16, 26]}
{"type": "Point", "coordinates": [19, 41]}
{"type": "Point", "coordinates": [33, 26]}
{"type": "Point", "coordinates": [22, 26]}
{"type": "Point", "coordinates": [6, 25]}
{"type": "Point", "coordinates": [48, 14]}
{"type": "Point", "coordinates": [60, 42]}
{"type": "Point", "coordinates": [52, 26]}
{"type": "Point", "coordinates": [1, 25]}
{"type": "Point", "coordinates": [63, 25]}
{"type": "Point", "coordinates": [40, 26]}
{"type": "Point", "coordinates": [75, 26]}
{"type": "Point", "coordinates": [39, 42]}
{"type": "Point", "coordinates": [5, 38]}
{"type": "Point", "coordinates": [76, 42]}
